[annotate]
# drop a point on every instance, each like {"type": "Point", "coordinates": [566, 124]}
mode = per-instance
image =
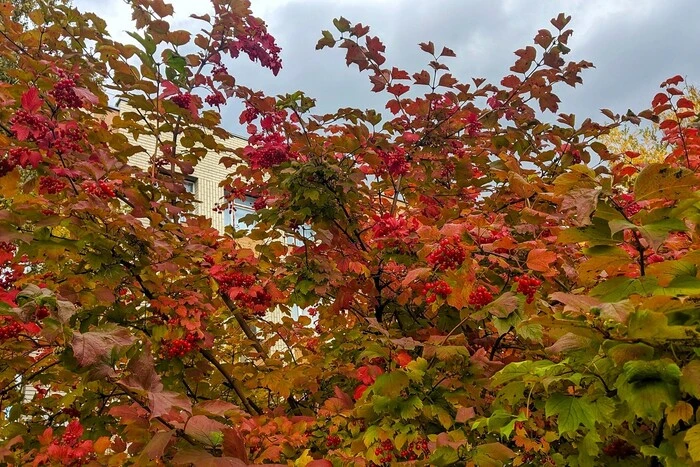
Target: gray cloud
{"type": "Point", "coordinates": [634, 45]}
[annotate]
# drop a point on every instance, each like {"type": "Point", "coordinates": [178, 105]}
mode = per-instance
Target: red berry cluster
{"type": "Point", "coordinates": [267, 150]}
{"type": "Point", "coordinates": [70, 450]}
{"type": "Point", "coordinates": [51, 185]}
{"type": "Point", "coordinates": [480, 297]}
{"type": "Point", "coordinates": [182, 100]}
{"type": "Point", "coordinates": [394, 232]}
{"type": "Point", "coordinates": [178, 348]}
{"type": "Point", "coordinates": [64, 93]}
{"type": "Point", "coordinates": [102, 189]}
{"type": "Point", "coordinates": [29, 126]}
{"type": "Point", "coordinates": [628, 204]}
{"type": "Point", "coordinates": [19, 156]}
{"type": "Point", "coordinates": [394, 161]}
{"type": "Point", "coordinates": [257, 300]}
{"type": "Point", "coordinates": [332, 441]}
{"type": "Point", "coordinates": [434, 289]}
{"type": "Point", "coordinates": [42, 312]}
{"type": "Point", "coordinates": [472, 125]}
{"type": "Point", "coordinates": [384, 451]}
{"type": "Point", "coordinates": [574, 153]}
{"type": "Point", "coordinates": [215, 99]}
{"type": "Point", "coordinates": [10, 330]}
{"type": "Point", "coordinates": [620, 449]}
{"type": "Point", "coordinates": [410, 452]}
{"type": "Point", "coordinates": [449, 254]}
{"type": "Point", "coordinates": [231, 279]}
{"type": "Point", "coordinates": [528, 286]}
{"type": "Point", "coordinates": [68, 138]}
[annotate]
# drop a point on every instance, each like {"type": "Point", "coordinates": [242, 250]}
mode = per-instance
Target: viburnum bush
{"type": "Point", "coordinates": [486, 283]}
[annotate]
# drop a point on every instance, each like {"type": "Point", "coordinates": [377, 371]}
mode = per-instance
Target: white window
{"type": "Point", "coordinates": [241, 208]}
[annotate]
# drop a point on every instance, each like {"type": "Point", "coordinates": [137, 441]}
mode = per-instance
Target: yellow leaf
{"type": "Point", "coordinates": [681, 411]}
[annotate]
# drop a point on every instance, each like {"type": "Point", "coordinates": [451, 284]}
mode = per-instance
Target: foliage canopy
{"type": "Point", "coordinates": [487, 285]}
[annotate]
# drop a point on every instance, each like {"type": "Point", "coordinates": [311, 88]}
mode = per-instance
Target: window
{"type": "Point", "coordinates": [190, 186]}
{"type": "Point", "coordinates": [304, 231]}
{"type": "Point", "coordinates": [241, 208]}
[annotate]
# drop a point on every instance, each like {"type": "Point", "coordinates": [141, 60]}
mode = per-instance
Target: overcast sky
{"type": "Point", "coordinates": [634, 44]}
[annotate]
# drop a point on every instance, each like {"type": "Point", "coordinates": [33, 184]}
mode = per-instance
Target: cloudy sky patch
{"type": "Point", "coordinates": [634, 44]}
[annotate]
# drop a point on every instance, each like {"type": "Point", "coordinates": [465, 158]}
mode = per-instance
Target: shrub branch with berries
{"type": "Point", "coordinates": [472, 280]}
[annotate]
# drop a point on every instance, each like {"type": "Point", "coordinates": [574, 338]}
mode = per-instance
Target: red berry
{"type": "Point", "coordinates": [64, 93]}
{"type": "Point", "coordinates": [480, 297]}
{"type": "Point", "coordinates": [528, 286]}
{"type": "Point", "coordinates": [433, 290]}
{"type": "Point", "coordinates": [332, 441]}
{"type": "Point", "coordinates": [182, 100]}
{"type": "Point", "coordinates": [449, 254]}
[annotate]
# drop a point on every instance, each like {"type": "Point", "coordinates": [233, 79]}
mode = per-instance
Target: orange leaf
{"type": "Point", "coordinates": [539, 259]}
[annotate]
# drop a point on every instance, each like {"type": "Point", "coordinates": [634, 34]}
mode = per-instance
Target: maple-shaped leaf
{"type": "Point", "coordinates": [234, 444]}
{"type": "Point", "coordinates": [92, 347]}
{"type": "Point", "coordinates": [31, 102]}
{"type": "Point", "coordinates": [205, 430]}
{"type": "Point", "coordinates": [571, 412]}
{"type": "Point", "coordinates": [539, 259]}
{"type": "Point", "coordinates": [157, 445]}
{"type": "Point", "coordinates": [86, 95]}
{"type": "Point", "coordinates": [169, 89]}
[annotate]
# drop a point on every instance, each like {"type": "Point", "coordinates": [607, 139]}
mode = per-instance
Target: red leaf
{"type": "Point", "coordinates": [543, 38]}
{"type": "Point", "coordinates": [92, 347]}
{"type": "Point", "coordinates": [234, 444]}
{"type": "Point", "coordinates": [399, 74]}
{"type": "Point", "coordinates": [169, 89]}
{"type": "Point", "coordinates": [359, 30]}
{"type": "Point", "coordinates": [685, 103]}
{"type": "Point", "coordinates": [428, 47]}
{"type": "Point", "coordinates": [403, 358]}
{"type": "Point", "coordinates": [539, 259]}
{"type": "Point", "coordinates": [447, 52]}
{"type": "Point", "coordinates": [447, 80]}
{"type": "Point", "coordinates": [398, 89]}
{"type": "Point", "coordinates": [200, 427]}
{"type": "Point", "coordinates": [31, 102]}
{"type": "Point", "coordinates": [511, 81]}
{"type": "Point", "coordinates": [422, 78]}
{"type": "Point", "coordinates": [86, 95]}
{"type": "Point", "coordinates": [394, 106]}
{"type": "Point", "coordinates": [359, 390]}
{"type": "Point", "coordinates": [156, 446]}
{"type": "Point", "coordinates": [673, 80]}
{"type": "Point", "coordinates": [659, 99]}
{"type": "Point", "coordinates": [143, 377]}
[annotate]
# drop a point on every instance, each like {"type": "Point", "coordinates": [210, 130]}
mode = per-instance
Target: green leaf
{"type": "Point", "coordinates": [620, 288]}
{"type": "Point", "coordinates": [571, 412]}
{"type": "Point", "coordinates": [443, 456]}
{"type": "Point", "coordinates": [520, 371]}
{"type": "Point", "coordinates": [649, 387]}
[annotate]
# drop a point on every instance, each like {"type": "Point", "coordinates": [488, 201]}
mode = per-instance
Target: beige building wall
{"type": "Point", "coordinates": [206, 179]}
